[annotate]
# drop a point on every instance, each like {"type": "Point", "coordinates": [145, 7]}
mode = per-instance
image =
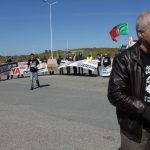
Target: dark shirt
{"type": "Point", "coordinates": [8, 60]}
{"type": "Point", "coordinates": [106, 61]}
{"type": "Point", "coordinates": [100, 60]}
{"type": "Point", "coordinates": [44, 60]}
{"type": "Point", "coordinates": [59, 60]}
{"type": "Point", "coordinates": [33, 65]}
{"type": "Point", "coordinates": [80, 57]}
{"type": "Point", "coordinates": [146, 62]}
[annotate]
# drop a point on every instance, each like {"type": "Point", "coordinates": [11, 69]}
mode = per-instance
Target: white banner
{"type": "Point", "coordinates": [19, 69]}
{"type": "Point", "coordinates": [91, 65]}
{"type": "Point", "coordinates": [105, 71]}
{"type": "Point", "coordinates": [22, 69]}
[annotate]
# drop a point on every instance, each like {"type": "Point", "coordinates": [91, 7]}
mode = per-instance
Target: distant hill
{"type": "Point", "coordinates": [47, 53]}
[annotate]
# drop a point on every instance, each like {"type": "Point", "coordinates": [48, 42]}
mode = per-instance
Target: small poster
{"type": "Point", "coordinates": [52, 65]}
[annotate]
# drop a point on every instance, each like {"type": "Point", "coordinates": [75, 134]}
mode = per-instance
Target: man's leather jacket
{"type": "Point", "coordinates": [126, 91]}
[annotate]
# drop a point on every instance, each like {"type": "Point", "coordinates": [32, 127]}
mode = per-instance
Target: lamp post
{"type": "Point", "coordinates": [50, 5]}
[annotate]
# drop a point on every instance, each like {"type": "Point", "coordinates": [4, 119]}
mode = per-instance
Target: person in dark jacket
{"type": "Point", "coordinates": [106, 60]}
{"type": "Point", "coordinates": [74, 58]}
{"type": "Point", "coordinates": [32, 65]}
{"type": "Point", "coordinates": [8, 61]}
{"type": "Point", "coordinates": [99, 57]}
{"type": "Point", "coordinates": [129, 89]}
{"type": "Point", "coordinates": [68, 67]}
{"type": "Point", "coordinates": [61, 72]}
{"type": "Point", "coordinates": [80, 57]}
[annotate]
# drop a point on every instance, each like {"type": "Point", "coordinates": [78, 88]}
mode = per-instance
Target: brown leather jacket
{"type": "Point", "coordinates": [126, 91]}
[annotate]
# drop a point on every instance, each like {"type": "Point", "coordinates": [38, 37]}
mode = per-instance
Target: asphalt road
{"type": "Point", "coordinates": [66, 113]}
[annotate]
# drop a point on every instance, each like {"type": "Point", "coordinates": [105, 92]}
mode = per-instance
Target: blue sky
{"type": "Point", "coordinates": [25, 28]}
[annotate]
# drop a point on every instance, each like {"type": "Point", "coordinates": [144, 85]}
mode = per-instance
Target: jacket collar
{"type": "Point", "coordinates": [136, 54]}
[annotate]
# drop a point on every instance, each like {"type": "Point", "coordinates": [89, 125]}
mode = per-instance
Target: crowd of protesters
{"type": "Point", "coordinates": [79, 70]}
{"type": "Point", "coordinates": [71, 57]}
{"type": "Point", "coordinates": [34, 62]}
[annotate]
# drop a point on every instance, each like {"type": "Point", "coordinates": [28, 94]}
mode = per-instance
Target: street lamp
{"type": "Point", "coordinates": [50, 5]}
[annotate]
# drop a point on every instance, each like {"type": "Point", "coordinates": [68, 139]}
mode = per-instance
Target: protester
{"type": "Point", "coordinates": [9, 60]}
{"type": "Point", "coordinates": [99, 57]}
{"type": "Point", "coordinates": [61, 72]}
{"type": "Point", "coordinates": [89, 58]}
{"type": "Point", "coordinates": [80, 57]}
{"type": "Point", "coordinates": [74, 58]}
{"type": "Point", "coordinates": [128, 89]}
{"type": "Point", "coordinates": [44, 60]}
{"type": "Point", "coordinates": [44, 64]}
{"type": "Point", "coordinates": [68, 67]}
{"type": "Point", "coordinates": [32, 65]}
{"type": "Point", "coordinates": [106, 60]}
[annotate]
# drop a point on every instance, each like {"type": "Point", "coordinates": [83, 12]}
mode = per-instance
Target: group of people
{"type": "Point", "coordinates": [74, 57]}
{"type": "Point", "coordinates": [103, 59]}
{"type": "Point", "coordinates": [33, 63]}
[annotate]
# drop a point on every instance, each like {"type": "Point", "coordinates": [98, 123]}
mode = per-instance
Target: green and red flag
{"type": "Point", "coordinates": [120, 29]}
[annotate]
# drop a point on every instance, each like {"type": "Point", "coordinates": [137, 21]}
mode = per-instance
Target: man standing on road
{"type": "Point", "coordinates": [129, 89]}
{"type": "Point", "coordinates": [32, 64]}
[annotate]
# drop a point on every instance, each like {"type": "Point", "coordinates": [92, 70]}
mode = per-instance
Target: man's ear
{"type": "Point", "coordinates": [140, 34]}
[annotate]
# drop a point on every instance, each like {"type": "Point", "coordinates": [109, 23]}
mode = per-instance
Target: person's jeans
{"type": "Point", "coordinates": [127, 144]}
{"type": "Point", "coordinates": [33, 75]}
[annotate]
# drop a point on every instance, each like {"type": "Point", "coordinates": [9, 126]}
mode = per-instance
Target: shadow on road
{"type": "Point", "coordinates": [44, 85]}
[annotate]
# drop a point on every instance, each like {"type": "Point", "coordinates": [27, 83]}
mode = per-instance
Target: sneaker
{"type": "Point", "coordinates": [38, 84]}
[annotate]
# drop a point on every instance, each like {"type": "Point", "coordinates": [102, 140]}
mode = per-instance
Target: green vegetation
{"type": "Point", "coordinates": [111, 51]}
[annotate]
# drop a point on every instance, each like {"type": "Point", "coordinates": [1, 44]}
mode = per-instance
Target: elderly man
{"type": "Point", "coordinates": [128, 89]}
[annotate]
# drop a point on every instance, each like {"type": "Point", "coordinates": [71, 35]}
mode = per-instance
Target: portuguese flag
{"type": "Point", "coordinates": [120, 29]}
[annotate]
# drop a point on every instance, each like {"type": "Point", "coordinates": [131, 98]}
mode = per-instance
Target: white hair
{"type": "Point", "coordinates": [142, 21]}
